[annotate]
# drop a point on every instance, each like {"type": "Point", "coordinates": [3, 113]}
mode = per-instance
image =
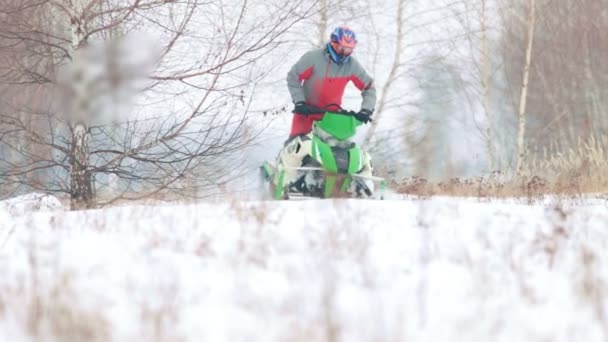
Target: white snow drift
{"type": "Point", "coordinates": [332, 270]}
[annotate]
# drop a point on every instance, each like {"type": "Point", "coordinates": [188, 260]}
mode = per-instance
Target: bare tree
{"type": "Point", "coordinates": [323, 19]}
{"type": "Point", "coordinates": [393, 73]}
{"type": "Point", "coordinates": [17, 94]}
{"type": "Point", "coordinates": [421, 43]}
{"type": "Point", "coordinates": [480, 68]}
{"type": "Point", "coordinates": [485, 81]}
{"type": "Point", "coordinates": [566, 101]}
{"type": "Point", "coordinates": [197, 91]}
{"type": "Point", "coordinates": [524, 89]}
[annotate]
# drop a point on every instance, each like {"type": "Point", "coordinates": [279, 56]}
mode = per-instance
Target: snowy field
{"type": "Point", "coordinates": [334, 270]}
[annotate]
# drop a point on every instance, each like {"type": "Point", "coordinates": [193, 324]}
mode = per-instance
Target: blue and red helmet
{"type": "Point", "coordinates": [343, 41]}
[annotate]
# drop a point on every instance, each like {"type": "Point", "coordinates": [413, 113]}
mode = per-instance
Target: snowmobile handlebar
{"type": "Point", "coordinates": [332, 107]}
{"type": "Point", "coordinates": [337, 109]}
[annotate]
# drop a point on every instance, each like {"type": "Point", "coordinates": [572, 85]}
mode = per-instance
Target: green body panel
{"type": "Point", "coordinates": [355, 164]}
{"type": "Point", "coordinates": [346, 184]}
{"type": "Point", "coordinates": [267, 170]}
{"type": "Point", "coordinates": [278, 193]}
{"type": "Point", "coordinates": [355, 160]}
{"type": "Point", "coordinates": [330, 182]}
{"type": "Point", "coordinates": [322, 153]}
{"type": "Point", "coordinates": [341, 127]}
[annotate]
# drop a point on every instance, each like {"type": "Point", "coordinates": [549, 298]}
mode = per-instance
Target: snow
{"type": "Point", "coordinates": [30, 202]}
{"type": "Point", "coordinates": [437, 269]}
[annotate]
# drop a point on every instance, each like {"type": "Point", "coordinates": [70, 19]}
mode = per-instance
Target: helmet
{"type": "Point", "coordinates": [343, 41]}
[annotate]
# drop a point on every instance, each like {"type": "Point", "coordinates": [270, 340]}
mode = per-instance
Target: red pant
{"type": "Point", "coordinates": [302, 124]}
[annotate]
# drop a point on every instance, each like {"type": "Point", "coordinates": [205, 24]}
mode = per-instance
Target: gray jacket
{"type": "Point", "coordinates": [319, 81]}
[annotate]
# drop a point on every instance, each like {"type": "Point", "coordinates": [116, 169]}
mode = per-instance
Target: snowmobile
{"type": "Point", "coordinates": [324, 163]}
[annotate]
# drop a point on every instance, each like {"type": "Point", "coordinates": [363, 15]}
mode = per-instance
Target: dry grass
{"type": "Point", "coordinates": [57, 313]}
{"type": "Point", "coordinates": [578, 171]}
{"type": "Point", "coordinates": [480, 187]}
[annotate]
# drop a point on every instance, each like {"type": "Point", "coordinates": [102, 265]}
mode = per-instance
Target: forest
{"type": "Point", "coordinates": [113, 100]}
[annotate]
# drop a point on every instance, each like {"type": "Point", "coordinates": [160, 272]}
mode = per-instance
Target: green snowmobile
{"type": "Point", "coordinates": [324, 163]}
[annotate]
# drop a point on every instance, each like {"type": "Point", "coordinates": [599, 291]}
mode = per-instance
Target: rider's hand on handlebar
{"type": "Point", "coordinates": [364, 116]}
{"type": "Point", "coordinates": [303, 108]}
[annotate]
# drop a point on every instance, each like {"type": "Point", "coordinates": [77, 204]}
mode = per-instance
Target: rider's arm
{"type": "Point", "coordinates": [300, 72]}
{"type": "Point", "coordinates": [365, 83]}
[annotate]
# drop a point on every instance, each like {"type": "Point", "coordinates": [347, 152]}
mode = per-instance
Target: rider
{"type": "Point", "coordinates": [317, 80]}
{"type": "Point", "coordinates": [320, 76]}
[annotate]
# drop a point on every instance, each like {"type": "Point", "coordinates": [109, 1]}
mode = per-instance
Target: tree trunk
{"type": "Point", "coordinates": [323, 22]}
{"type": "Point", "coordinates": [485, 80]}
{"type": "Point", "coordinates": [524, 90]}
{"type": "Point", "coordinates": [81, 181]}
{"type": "Point", "coordinates": [81, 185]}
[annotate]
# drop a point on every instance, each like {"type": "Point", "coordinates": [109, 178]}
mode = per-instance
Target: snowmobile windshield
{"type": "Point", "coordinates": [341, 126]}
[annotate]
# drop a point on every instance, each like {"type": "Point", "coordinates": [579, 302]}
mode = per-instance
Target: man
{"type": "Point", "coordinates": [317, 80]}
{"type": "Point", "coordinates": [320, 76]}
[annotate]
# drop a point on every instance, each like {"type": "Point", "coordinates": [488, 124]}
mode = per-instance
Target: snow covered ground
{"type": "Point", "coordinates": [437, 269]}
